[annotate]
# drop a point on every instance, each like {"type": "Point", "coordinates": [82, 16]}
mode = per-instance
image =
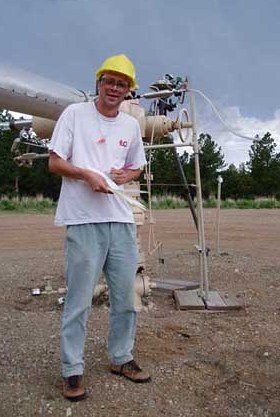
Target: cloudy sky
{"type": "Point", "coordinates": [229, 49]}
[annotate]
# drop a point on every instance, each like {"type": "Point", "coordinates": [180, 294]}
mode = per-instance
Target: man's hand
{"type": "Point", "coordinates": [62, 167]}
{"type": "Point", "coordinates": [122, 176]}
{"type": "Point", "coordinates": [119, 176]}
{"type": "Point", "coordinates": [96, 181]}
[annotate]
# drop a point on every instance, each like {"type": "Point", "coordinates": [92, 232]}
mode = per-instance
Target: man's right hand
{"type": "Point", "coordinates": [96, 181]}
{"type": "Point", "coordinates": [62, 167]}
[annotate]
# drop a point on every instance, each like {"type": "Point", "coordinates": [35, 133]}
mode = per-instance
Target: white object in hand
{"type": "Point", "coordinates": [115, 189]}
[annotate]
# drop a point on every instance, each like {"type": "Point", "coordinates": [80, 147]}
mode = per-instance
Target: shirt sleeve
{"type": "Point", "coordinates": [62, 137]}
{"type": "Point", "coordinates": [135, 158]}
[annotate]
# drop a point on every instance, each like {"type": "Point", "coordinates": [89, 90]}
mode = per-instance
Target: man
{"type": "Point", "coordinates": [89, 139]}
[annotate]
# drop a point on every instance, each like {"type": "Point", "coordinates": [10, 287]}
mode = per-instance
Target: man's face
{"type": "Point", "coordinates": [113, 88]}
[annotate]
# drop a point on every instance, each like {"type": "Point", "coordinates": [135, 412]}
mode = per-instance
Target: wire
{"type": "Point", "coordinates": [229, 128]}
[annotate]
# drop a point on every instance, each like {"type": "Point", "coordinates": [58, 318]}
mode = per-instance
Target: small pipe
{"type": "Point", "coordinates": [161, 94]}
{"type": "Point", "coordinates": [15, 124]}
{"type": "Point", "coordinates": [168, 145]}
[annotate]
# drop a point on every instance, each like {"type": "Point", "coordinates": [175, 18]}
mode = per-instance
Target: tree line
{"type": "Point", "coordinates": [259, 176]}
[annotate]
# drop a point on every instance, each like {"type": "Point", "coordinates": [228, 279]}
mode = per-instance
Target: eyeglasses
{"type": "Point", "coordinates": [111, 82]}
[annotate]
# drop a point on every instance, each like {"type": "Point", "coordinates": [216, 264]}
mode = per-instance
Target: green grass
{"type": "Point", "coordinates": [172, 202]}
{"type": "Point", "coordinates": [37, 204]}
{"type": "Point", "coordinates": [257, 203]}
{"type": "Point", "coordinates": [168, 202]}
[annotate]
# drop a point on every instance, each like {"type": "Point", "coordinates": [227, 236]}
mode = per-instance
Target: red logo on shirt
{"type": "Point", "coordinates": [123, 143]}
{"type": "Point", "coordinates": [101, 140]}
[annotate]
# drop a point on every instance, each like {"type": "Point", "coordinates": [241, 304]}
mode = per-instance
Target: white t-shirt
{"type": "Point", "coordinates": [90, 140]}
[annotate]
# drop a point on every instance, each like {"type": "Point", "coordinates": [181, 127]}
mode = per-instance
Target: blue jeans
{"type": "Point", "coordinates": [89, 249]}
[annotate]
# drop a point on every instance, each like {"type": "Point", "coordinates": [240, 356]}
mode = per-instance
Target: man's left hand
{"type": "Point", "coordinates": [122, 176]}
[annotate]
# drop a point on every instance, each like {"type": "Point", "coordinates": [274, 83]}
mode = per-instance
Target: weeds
{"type": "Point", "coordinates": [39, 204]}
{"type": "Point", "coordinates": [168, 202]}
{"type": "Point", "coordinates": [173, 202]}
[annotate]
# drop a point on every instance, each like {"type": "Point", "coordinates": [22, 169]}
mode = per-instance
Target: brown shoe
{"type": "Point", "coordinates": [73, 388]}
{"type": "Point", "coordinates": [131, 371]}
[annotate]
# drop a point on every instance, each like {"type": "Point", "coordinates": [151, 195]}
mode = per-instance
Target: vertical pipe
{"type": "Point", "coordinates": [204, 285]}
{"type": "Point", "coordinates": [220, 180]}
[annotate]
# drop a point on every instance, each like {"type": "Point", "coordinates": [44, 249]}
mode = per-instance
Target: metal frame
{"type": "Point", "coordinates": [201, 247]}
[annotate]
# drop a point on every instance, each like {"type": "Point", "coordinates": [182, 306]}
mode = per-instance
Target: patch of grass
{"type": "Point", "coordinates": [37, 204]}
{"type": "Point", "coordinates": [6, 204]}
{"type": "Point", "coordinates": [168, 202]}
{"type": "Point", "coordinates": [267, 203]}
{"type": "Point", "coordinates": [245, 204]}
{"type": "Point", "coordinates": [258, 203]}
{"type": "Point", "coordinates": [173, 202]}
{"type": "Point", "coordinates": [210, 203]}
{"type": "Point", "coordinates": [228, 203]}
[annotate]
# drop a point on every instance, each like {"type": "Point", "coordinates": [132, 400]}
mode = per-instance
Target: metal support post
{"type": "Point", "coordinates": [220, 180]}
{"type": "Point", "coordinates": [204, 286]}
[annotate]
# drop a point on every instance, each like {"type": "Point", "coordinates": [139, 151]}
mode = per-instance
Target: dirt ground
{"type": "Point", "coordinates": [203, 364]}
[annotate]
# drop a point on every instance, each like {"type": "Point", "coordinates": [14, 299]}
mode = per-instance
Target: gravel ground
{"type": "Point", "coordinates": [203, 364]}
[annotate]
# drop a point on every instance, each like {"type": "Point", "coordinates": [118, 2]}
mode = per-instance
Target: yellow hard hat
{"type": "Point", "coordinates": [120, 64]}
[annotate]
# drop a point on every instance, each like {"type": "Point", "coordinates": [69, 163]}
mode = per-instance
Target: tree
{"type": "Point", "coordinates": [164, 169]}
{"type": "Point", "coordinates": [8, 169]}
{"type": "Point", "coordinates": [23, 181]}
{"type": "Point", "coordinates": [230, 182]}
{"type": "Point", "coordinates": [237, 182]}
{"type": "Point", "coordinates": [264, 166]}
{"type": "Point", "coordinates": [211, 161]}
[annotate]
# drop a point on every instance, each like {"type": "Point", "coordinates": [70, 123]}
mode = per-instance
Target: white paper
{"type": "Point", "coordinates": [115, 189]}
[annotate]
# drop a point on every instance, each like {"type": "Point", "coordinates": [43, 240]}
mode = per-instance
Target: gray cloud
{"type": "Point", "coordinates": [228, 49]}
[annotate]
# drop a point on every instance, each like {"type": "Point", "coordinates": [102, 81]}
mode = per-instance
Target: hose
{"type": "Point", "coordinates": [229, 128]}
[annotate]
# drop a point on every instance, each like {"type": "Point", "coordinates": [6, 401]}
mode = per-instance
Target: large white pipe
{"type": "Point", "coordinates": [28, 93]}
{"type": "Point", "coordinates": [44, 99]}
{"type": "Point", "coordinates": [43, 127]}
